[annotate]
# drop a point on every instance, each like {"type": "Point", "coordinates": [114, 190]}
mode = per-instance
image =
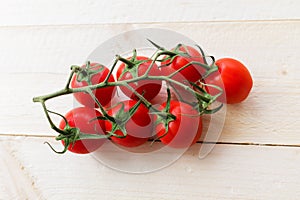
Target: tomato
{"type": "Point", "coordinates": [192, 73]}
{"type": "Point", "coordinates": [234, 78]}
{"type": "Point", "coordinates": [185, 130]}
{"type": "Point", "coordinates": [83, 118]}
{"type": "Point", "coordinates": [148, 88]}
{"type": "Point", "coordinates": [138, 127]}
{"type": "Point", "coordinates": [104, 95]}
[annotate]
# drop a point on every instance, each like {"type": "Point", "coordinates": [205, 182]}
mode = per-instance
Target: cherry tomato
{"type": "Point", "coordinates": [139, 126]}
{"type": "Point", "coordinates": [104, 95]}
{"type": "Point", "coordinates": [185, 130]}
{"type": "Point", "coordinates": [192, 73]}
{"type": "Point", "coordinates": [234, 78]}
{"type": "Point", "coordinates": [83, 118]}
{"type": "Point", "coordinates": [148, 88]}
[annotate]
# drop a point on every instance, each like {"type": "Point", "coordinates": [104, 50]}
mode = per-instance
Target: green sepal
{"type": "Point", "coordinates": [71, 134]}
{"type": "Point", "coordinates": [212, 69]}
{"type": "Point", "coordinates": [156, 45]}
{"type": "Point", "coordinates": [132, 65]}
{"type": "Point", "coordinates": [212, 111]}
{"type": "Point", "coordinates": [202, 54]}
{"type": "Point", "coordinates": [121, 118]}
{"type": "Point", "coordinates": [164, 117]}
{"type": "Point", "coordinates": [85, 74]}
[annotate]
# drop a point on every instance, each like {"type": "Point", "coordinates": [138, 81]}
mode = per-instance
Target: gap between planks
{"type": "Point", "coordinates": [199, 142]}
{"type": "Point", "coordinates": [153, 23]}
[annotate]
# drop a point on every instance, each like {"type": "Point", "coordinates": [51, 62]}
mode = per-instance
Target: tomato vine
{"type": "Point", "coordinates": [202, 99]}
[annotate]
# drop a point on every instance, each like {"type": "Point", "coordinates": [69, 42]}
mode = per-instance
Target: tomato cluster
{"type": "Point", "coordinates": [191, 84]}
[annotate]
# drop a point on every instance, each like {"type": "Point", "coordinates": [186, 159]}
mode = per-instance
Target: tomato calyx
{"type": "Point", "coordinates": [164, 116]}
{"type": "Point", "coordinates": [204, 99]}
{"type": "Point", "coordinates": [132, 65]}
{"type": "Point", "coordinates": [69, 135]}
{"type": "Point", "coordinates": [86, 73]}
{"type": "Point", "coordinates": [121, 118]}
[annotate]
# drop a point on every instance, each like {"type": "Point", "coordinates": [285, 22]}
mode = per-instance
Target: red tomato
{"type": "Point", "coordinates": [139, 126]}
{"type": "Point", "coordinates": [104, 95]}
{"type": "Point", "coordinates": [82, 118]}
{"type": "Point", "coordinates": [148, 88]}
{"type": "Point", "coordinates": [192, 73]}
{"type": "Point", "coordinates": [234, 78]}
{"type": "Point", "coordinates": [185, 130]}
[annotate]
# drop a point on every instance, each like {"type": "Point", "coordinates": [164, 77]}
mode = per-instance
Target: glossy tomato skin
{"type": "Point", "coordinates": [139, 127]}
{"type": "Point", "coordinates": [192, 73]}
{"type": "Point", "coordinates": [185, 130]}
{"type": "Point", "coordinates": [148, 88]}
{"type": "Point", "coordinates": [81, 118]}
{"type": "Point", "coordinates": [104, 95]}
{"type": "Point", "coordinates": [234, 78]}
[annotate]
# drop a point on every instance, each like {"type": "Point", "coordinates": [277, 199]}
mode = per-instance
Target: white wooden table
{"type": "Point", "coordinates": [258, 154]}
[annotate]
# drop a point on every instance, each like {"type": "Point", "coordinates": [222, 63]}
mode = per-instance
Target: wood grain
{"type": "Point", "coordinates": [269, 49]}
{"type": "Point", "coordinates": [35, 12]}
{"type": "Point", "coordinates": [268, 116]}
{"type": "Point", "coordinates": [229, 172]}
{"type": "Point", "coordinates": [257, 156]}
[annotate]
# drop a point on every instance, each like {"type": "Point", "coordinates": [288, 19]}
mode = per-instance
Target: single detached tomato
{"type": "Point", "coordinates": [84, 119]}
{"type": "Point", "coordinates": [148, 88]}
{"type": "Point", "coordinates": [185, 130]}
{"type": "Point", "coordinates": [138, 126]}
{"type": "Point", "coordinates": [192, 73]}
{"type": "Point", "coordinates": [234, 78]}
{"type": "Point", "coordinates": [97, 74]}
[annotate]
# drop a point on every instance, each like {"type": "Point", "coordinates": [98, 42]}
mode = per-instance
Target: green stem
{"type": "Point", "coordinates": [111, 84]}
{"type": "Point", "coordinates": [50, 120]}
{"type": "Point", "coordinates": [112, 69]}
{"type": "Point", "coordinates": [74, 68]}
{"type": "Point", "coordinates": [127, 62]}
{"type": "Point", "coordinates": [141, 97]}
{"type": "Point", "coordinates": [52, 95]}
{"type": "Point", "coordinates": [100, 106]}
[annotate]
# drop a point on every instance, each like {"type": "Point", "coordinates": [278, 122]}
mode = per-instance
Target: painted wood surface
{"type": "Point", "coordinates": [261, 45]}
{"type": "Point", "coordinates": [257, 156]}
{"type": "Point", "coordinates": [35, 12]}
{"type": "Point", "coordinates": [32, 171]}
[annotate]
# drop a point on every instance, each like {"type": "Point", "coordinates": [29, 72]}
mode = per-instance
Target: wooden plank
{"type": "Point", "coordinates": [55, 48]}
{"type": "Point", "coordinates": [19, 113]}
{"type": "Point", "coordinates": [229, 172]}
{"type": "Point", "coordinates": [14, 182]}
{"type": "Point", "coordinates": [34, 12]}
{"type": "Point", "coordinates": [268, 49]}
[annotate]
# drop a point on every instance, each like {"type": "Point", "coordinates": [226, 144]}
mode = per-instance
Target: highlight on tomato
{"type": "Point", "coordinates": [92, 74]}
